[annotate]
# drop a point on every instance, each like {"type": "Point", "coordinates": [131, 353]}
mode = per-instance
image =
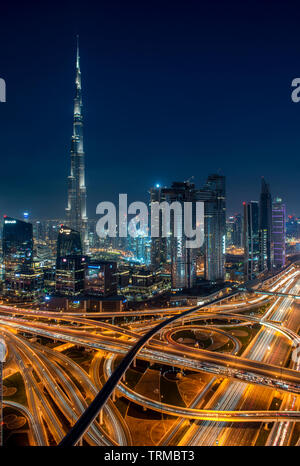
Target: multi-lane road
{"type": "Point", "coordinates": [258, 381]}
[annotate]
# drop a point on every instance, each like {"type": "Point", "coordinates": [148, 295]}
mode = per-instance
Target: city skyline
{"type": "Point", "coordinates": [149, 261]}
{"type": "Point", "coordinates": [191, 104]}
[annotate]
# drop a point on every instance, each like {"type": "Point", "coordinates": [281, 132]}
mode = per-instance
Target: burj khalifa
{"type": "Point", "coordinates": [76, 210]}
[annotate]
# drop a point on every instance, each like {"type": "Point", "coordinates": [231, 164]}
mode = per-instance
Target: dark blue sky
{"type": "Point", "coordinates": [171, 90]}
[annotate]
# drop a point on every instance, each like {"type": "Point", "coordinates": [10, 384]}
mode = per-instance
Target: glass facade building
{"type": "Point", "coordinates": [183, 259]}
{"type": "Point", "coordinates": [265, 227]}
{"type": "Point", "coordinates": [101, 278]}
{"type": "Point", "coordinates": [70, 273]}
{"type": "Point", "coordinates": [251, 239]}
{"type": "Point", "coordinates": [158, 244]}
{"type": "Point", "coordinates": [234, 231]}
{"type": "Point", "coordinates": [213, 228]}
{"type": "Point", "coordinates": [70, 263]}
{"type": "Point", "coordinates": [68, 242]}
{"type": "Point", "coordinates": [214, 196]}
{"type": "Point", "coordinates": [22, 279]}
{"type": "Point", "coordinates": [278, 233]}
{"type": "Point", "coordinates": [17, 243]}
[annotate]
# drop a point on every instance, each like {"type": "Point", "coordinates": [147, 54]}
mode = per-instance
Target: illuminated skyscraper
{"type": "Point", "coordinates": [234, 231]}
{"type": "Point", "coordinates": [251, 239]}
{"type": "Point", "coordinates": [76, 210]}
{"type": "Point", "coordinates": [265, 227]}
{"type": "Point", "coordinates": [17, 244]}
{"type": "Point", "coordinates": [214, 198]}
{"type": "Point", "coordinates": [183, 259]}
{"type": "Point", "coordinates": [229, 231]}
{"type": "Point", "coordinates": [101, 278]}
{"type": "Point", "coordinates": [22, 280]}
{"type": "Point", "coordinates": [68, 242]}
{"type": "Point", "coordinates": [158, 244]}
{"type": "Point", "coordinates": [278, 233]}
{"type": "Point", "coordinates": [70, 263]}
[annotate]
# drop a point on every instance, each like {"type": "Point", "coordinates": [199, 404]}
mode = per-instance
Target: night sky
{"type": "Point", "coordinates": [170, 90]}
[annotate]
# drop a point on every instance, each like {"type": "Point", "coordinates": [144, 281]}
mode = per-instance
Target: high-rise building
{"type": "Point", "coordinates": [229, 231]}
{"type": "Point", "coordinates": [17, 243]}
{"type": "Point", "coordinates": [101, 278]}
{"type": "Point", "coordinates": [68, 242]}
{"type": "Point", "coordinates": [76, 209]}
{"type": "Point", "coordinates": [70, 263]}
{"type": "Point", "coordinates": [251, 239]}
{"type": "Point", "coordinates": [234, 231]}
{"type": "Point", "coordinates": [158, 244]}
{"type": "Point", "coordinates": [293, 227]}
{"type": "Point", "coordinates": [278, 233]}
{"type": "Point", "coordinates": [183, 259]}
{"type": "Point", "coordinates": [141, 248]}
{"type": "Point", "coordinates": [22, 279]}
{"type": "Point", "coordinates": [70, 273]}
{"type": "Point", "coordinates": [265, 227]}
{"type": "Point", "coordinates": [214, 197]}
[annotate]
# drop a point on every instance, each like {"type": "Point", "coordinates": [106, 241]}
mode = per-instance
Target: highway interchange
{"type": "Point", "coordinates": [249, 392]}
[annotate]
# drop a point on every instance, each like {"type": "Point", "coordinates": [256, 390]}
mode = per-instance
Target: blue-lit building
{"type": "Point", "coordinates": [22, 280]}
